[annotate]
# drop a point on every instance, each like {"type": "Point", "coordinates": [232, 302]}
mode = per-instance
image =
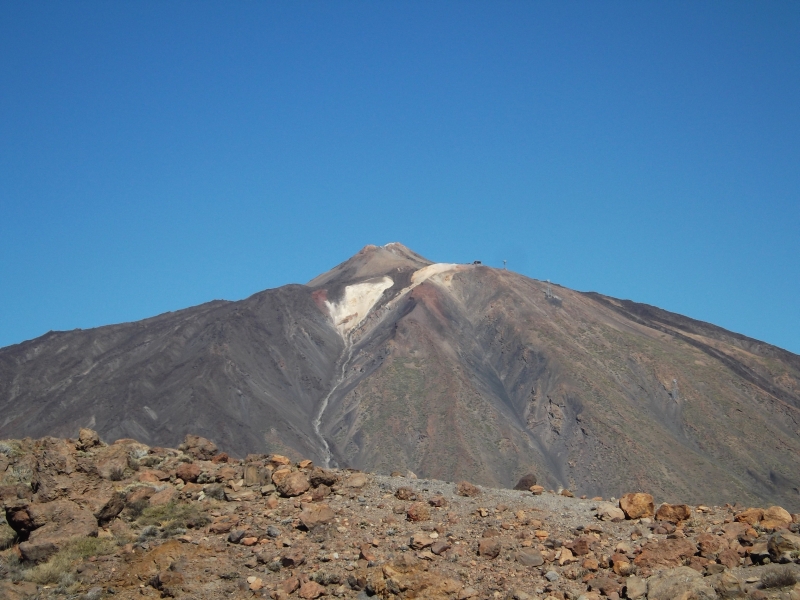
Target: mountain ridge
{"type": "Point", "coordinates": [389, 361]}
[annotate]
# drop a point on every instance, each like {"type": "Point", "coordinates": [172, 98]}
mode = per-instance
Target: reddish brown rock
{"type": "Point", "coordinates": [673, 513]}
{"type": "Point", "coordinates": [367, 552]}
{"type": "Point", "coordinates": [315, 515]}
{"type": "Point", "coordinates": [729, 558]}
{"type": "Point", "coordinates": [405, 493]}
{"type": "Point", "coordinates": [418, 512]}
{"type": "Point", "coordinates": [87, 438]}
{"type": "Point", "coordinates": [55, 524]}
{"type": "Point", "coordinates": [255, 475]}
{"type": "Point", "coordinates": [489, 547]}
{"type": "Point", "coordinates": [223, 524]}
{"type": "Point", "coordinates": [111, 509]}
{"type": "Point", "coordinates": [666, 553]}
{"type": "Point", "coordinates": [438, 501]}
{"type": "Point", "coordinates": [420, 540]}
{"type": "Point", "coordinates": [537, 490]}
{"type": "Point", "coordinates": [636, 506]}
{"type": "Point", "coordinates": [606, 585]}
{"type": "Point", "coordinates": [679, 583]}
{"type": "Point", "coordinates": [320, 493]}
{"type": "Point", "coordinates": [222, 457]}
{"type": "Point", "coordinates": [289, 586]}
{"type": "Point", "coordinates": [776, 517]}
{"type": "Point", "coordinates": [165, 496]}
{"type": "Point", "coordinates": [293, 484]}
{"type": "Point", "coordinates": [621, 565]}
{"type": "Point", "coordinates": [280, 474]}
{"type": "Point", "coordinates": [189, 472]}
{"type": "Point", "coordinates": [465, 488]}
{"type": "Point", "coordinates": [580, 546]}
{"type": "Point", "coordinates": [320, 476]}
{"type": "Point", "coordinates": [293, 558]}
{"type": "Point", "coordinates": [530, 557]}
{"type": "Point", "coordinates": [139, 493]}
{"type": "Point", "coordinates": [439, 547]}
{"type": "Point", "coordinates": [310, 590]}
{"type": "Point", "coordinates": [199, 447]}
{"type": "Point", "coordinates": [356, 481]}
{"type": "Point", "coordinates": [783, 545]}
{"type": "Point", "coordinates": [751, 516]}
{"type": "Point", "coordinates": [710, 545]}
{"type": "Point", "coordinates": [277, 461]}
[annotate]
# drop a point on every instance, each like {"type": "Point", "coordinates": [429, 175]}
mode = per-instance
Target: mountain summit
{"type": "Point", "coordinates": [390, 362]}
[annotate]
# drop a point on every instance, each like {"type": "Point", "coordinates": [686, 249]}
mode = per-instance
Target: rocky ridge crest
{"type": "Point", "coordinates": [88, 520]}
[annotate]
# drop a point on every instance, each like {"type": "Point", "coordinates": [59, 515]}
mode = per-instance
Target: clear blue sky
{"type": "Point", "coordinates": [157, 155]}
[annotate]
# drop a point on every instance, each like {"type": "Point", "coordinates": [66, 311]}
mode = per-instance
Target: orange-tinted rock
{"type": "Point", "coordinates": [316, 514]}
{"type": "Point", "coordinates": [320, 476]}
{"type": "Point", "coordinates": [465, 488]}
{"type": "Point", "coordinates": [729, 558]}
{"type": "Point", "coordinates": [673, 513]}
{"type": "Point", "coordinates": [54, 524]}
{"type": "Point", "coordinates": [751, 516]}
{"type": "Point", "coordinates": [199, 447]}
{"type": "Point", "coordinates": [418, 512]}
{"type": "Point", "coordinates": [580, 547]}
{"type": "Point", "coordinates": [223, 524]}
{"type": "Point", "coordinates": [277, 461]}
{"type": "Point", "coordinates": [776, 517]}
{"type": "Point", "coordinates": [163, 497]}
{"type": "Point", "coordinates": [222, 457]}
{"type": "Point", "coordinates": [310, 590]}
{"type": "Point", "coordinates": [293, 484]}
{"type": "Point", "coordinates": [87, 438]}
{"type": "Point", "coordinates": [711, 545]}
{"type": "Point", "coordinates": [636, 506]}
{"type": "Point", "coordinates": [142, 492]}
{"type": "Point", "coordinates": [280, 474]}
{"type": "Point", "coordinates": [489, 547]}
{"type": "Point", "coordinates": [665, 553]}
{"type": "Point", "coordinates": [189, 472]}
{"type": "Point", "coordinates": [405, 493]}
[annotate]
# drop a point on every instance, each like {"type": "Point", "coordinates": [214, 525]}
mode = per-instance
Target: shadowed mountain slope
{"type": "Point", "coordinates": [390, 362]}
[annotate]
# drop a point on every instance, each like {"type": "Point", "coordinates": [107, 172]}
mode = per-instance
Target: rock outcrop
{"type": "Point", "coordinates": [271, 527]}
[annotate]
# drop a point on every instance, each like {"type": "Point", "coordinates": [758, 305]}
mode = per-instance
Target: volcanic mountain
{"type": "Point", "coordinates": [390, 362]}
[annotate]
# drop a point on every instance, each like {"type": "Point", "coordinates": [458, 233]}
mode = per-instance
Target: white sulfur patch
{"type": "Point", "coordinates": [151, 413]}
{"type": "Point", "coordinates": [426, 273]}
{"type": "Point", "coordinates": [358, 300]}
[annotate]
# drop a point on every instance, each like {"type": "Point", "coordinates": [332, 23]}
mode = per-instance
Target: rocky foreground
{"type": "Point", "coordinates": [88, 520]}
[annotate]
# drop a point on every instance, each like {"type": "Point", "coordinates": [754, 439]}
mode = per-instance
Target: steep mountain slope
{"type": "Point", "coordinates": [389, 362]}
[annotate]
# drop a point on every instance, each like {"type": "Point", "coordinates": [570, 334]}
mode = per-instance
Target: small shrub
{"type": "Point", "coordinates": [58, 569]}
{"type": "Point", "coordinates": [150, 461]}
{"type": "Point", "coordinates": [173, 518]}
{"type": "Point", "coordinates": [9, 448]}
{"type": "Point", "coordinates": [148, 533]}
{"type": "Point", "coordinates": [116, 474]}
{"type": "Point", "coordinates": [138, 453]}
{"type": "Point", "coordinates": [217, 492]}
{"type": "Point", "coordinates": [133, 464]}
{"type": "Point", "coordinates": [11, 567]}
{"type": "Point", "coordinates": [779, 577]}
{"type": "Point", "coordinates": [135, 509]}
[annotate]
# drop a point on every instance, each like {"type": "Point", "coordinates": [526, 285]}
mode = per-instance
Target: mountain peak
{"type": "Point", "coordinates": [373, 261]}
